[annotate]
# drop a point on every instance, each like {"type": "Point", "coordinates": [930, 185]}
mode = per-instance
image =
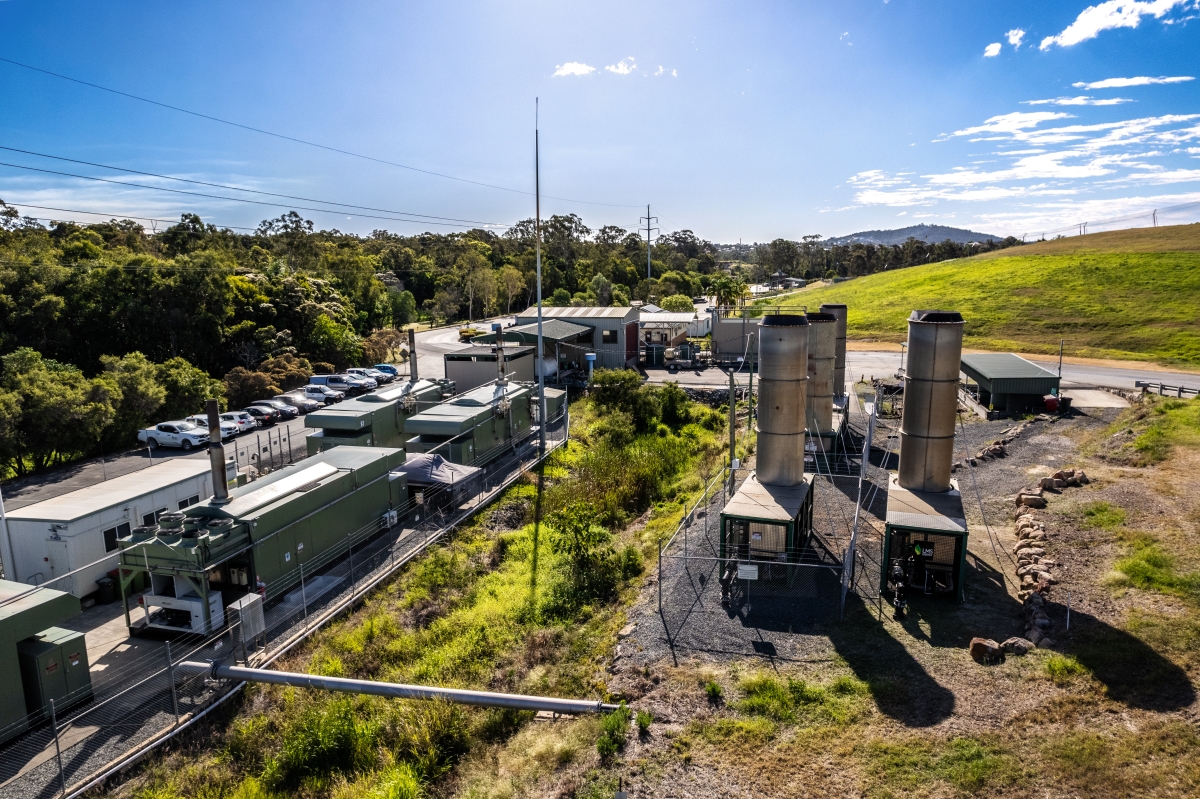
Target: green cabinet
{"type": "Point", "coordinates": [54, 666]}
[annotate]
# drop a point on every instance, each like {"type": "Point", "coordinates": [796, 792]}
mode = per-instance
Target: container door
{"type": "Point", "coordinates": [59, 564]}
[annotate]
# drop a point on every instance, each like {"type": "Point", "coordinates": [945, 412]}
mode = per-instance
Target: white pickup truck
{"type": "Point", "coordinates": [174, 434]}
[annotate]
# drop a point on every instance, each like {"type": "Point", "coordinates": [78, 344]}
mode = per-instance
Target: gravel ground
{"type": "Point", "coordinates": [803, 628]}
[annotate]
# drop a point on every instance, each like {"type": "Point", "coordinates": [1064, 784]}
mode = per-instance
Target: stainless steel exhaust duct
{"type": "Point", "coordinates": [412, 355]}
{"type": "Point", "coordinates": [216, 453]}
{"type": "Point", "coordinates": [930, 400]}
{"type": "Point", "coordinates": [782, 397]}
{"type": "Point", "coordinates": [822, 361]}
{"type": "Point", "coordinates": [839, 366]}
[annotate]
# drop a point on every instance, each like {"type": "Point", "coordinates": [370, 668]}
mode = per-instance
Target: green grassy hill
{"type": "Point", "coordinates": [1131, 294]}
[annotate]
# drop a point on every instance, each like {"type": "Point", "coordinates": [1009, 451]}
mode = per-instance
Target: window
{"type": "Point", "coordinates": [112, 534]}
{"type": "Point", "coordinates": [151, 518]}
{"type": "Point", "coordinates": [608, 337]}
{"type": "Point", "coordinates": [183, 503]}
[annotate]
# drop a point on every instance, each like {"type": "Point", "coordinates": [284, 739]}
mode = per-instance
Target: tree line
{"type": "Point", "coordinates": [809, 258]}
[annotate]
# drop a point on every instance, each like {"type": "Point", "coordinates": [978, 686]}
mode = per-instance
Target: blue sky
{"type": "Point", "coordinates": [742, 121]}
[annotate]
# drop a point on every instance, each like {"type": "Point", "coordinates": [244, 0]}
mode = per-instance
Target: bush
{"type": "Point", "coordinates": [713, 691]}
{"type": "Point", "coordinates": [243, 387]}
{"type": "Point", "coordinates": [325, 739]}
{"type": "Point", "coordinates": [677, 303]}
{"type": "Point", "coordinates": [644, 720]}
{"type": "Point", "coordinates": [614, 728]}
{"type": "Point", "coordinates": [287, 371]}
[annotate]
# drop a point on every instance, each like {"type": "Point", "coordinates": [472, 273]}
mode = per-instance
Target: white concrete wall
{"type": "Point", "coordinates": [82, 542]}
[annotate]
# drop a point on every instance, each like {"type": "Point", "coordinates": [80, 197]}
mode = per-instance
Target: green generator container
{"type": "Point", "coordinates": [54, 666]}
{"type": "Point", "coordinates": [372, 420]}
{"type": "Point", "coordinates": [23, 613]}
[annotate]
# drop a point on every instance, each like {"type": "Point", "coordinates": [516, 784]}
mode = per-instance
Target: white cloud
{"type": "Point", "coordinates": [659, 71]}
{"type": "Point", "coordinates": [1009, 123]}
{"type": "Point", "coordinates": [1109, 15]}
{"type": "Point", "coordinates": [1081, 100]}
{"type": "Point", "coordinates": [674, 73]}
{"type": "Point", "coordinates": [623, 67]}
{"type": "Point", "coordinates": [1015, 36]}
{"type": "Point", "coordinates": [1121, 83]}
{"type": "Point", "coordinates": [572, 68]}
{"type": "Point", "coordinates": [992, 50]}
{"type": "Point", "coordinates": [1053, 216]}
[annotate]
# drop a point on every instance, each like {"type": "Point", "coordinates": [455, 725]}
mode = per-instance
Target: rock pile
{"type": "Point", "coordinates": [996, 449]}
{"type": "Point", "coordinates": [1064, 478]}
{"type": "Point", "coordinates": [1036, 573]}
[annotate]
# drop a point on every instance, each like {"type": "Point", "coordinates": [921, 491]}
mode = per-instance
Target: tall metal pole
{"type": "Point", "coordinates": [537, 227]}
{"type": "Point", "coordinates": [648, 276]}
{"type": "Point", "coordinates": [62, 778]}
{"type": "Point", "coordinates": [1061, 341]}
{"type": "Point", "coordinates": [8, 569]}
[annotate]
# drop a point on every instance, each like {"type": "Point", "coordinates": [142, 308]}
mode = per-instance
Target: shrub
{"type": "Point", "coordinates": [325, 739]}
{"type": "Point", "coordinates": [1062, 669]}
{"type": "Point", "coordinates": [713, 691]}
{"type": "Point", "coordinates": [243, 387]}
{"type": "Point", "coordinates": [614, 728]}
{"type": "Point", "coordinates": [644, 720]}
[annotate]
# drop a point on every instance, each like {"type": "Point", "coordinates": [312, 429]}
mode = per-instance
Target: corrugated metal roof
{"type": "Point", "coordinates": [586, 312]}
{"type": "Point", "coordinates": [994, 365]}
{"type": "Point", "coordinates": [553, 330]}
{"type": "Point", "coordinates": [670, 317]}
{"type": "Point", "coordinates": [755, 500]}
{"type": "Point", "coordinates": [117, 491]}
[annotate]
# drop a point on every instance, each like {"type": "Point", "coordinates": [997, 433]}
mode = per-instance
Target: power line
{"type": "Point", "coordinates": [234, 199]}
{"type": "Point", "coordinates": [238, 188]}
{"type": "Point", "coordinates": [295, 139]}
{"type": "Point", "coordinates": [110, 216]}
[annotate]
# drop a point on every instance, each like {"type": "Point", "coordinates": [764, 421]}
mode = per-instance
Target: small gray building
{"type": "Point", "coordinates": [1008, 382]}
{"type": "Point", "coordinates": [477, 365]}
{"type": "Point", "coordinates": [614, 331]}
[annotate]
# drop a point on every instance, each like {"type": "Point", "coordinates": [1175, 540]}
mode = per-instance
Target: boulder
{"type": "Point", "coordinates": [1073, 482]}
{"type": "Point", "coordinates": [1046, 642]}
{"type": "Point", "coordinates": [1034, 635]}
{"type": "Point", "coordinates": [1046, 482]}
{"type": "Point", "coordinates": [1083, 478]}
{"type": "Point", "coordinates": [1036, 599]}
{"type": "Point", "coordinates": [1059, 484]}
{"type": "Point", "coordinates": [1017, 645]}
{"type": "Point", "coordinates": [1031, 501]}
{"type": "Point", "coordinates": [986, 651]}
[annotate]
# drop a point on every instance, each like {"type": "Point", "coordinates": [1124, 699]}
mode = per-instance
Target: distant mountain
{"type": "Point", "coordinates": [930, 234]}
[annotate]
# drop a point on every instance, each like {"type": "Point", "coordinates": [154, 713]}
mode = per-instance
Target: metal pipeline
{"type": "Point", "coordinates": [217, 671]}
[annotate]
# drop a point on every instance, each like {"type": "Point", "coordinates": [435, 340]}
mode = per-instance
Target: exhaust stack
{"type": "Point", "coordinates": [839, 366]}
{"type": "Point", "coordinates": [412, 355]}
{"type": "Point", "coordinates": [822, 360]}
{"type": "Point", "coordinates": [930, 400]}
{"type": "Point", "coordinates": [782, 397]}
{"type": "Point", "coordinates": [216, 453]}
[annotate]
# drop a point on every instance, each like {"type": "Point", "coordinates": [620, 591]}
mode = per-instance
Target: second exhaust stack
{"type": "Point", "coordinates": [930, 400]}
{"type": "Point", "coordinates": [782, 397]}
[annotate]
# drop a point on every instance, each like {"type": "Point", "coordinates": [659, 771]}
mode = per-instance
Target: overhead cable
{"type": "Point", "coordinates": [236, 199]}
{"type": "Point", "coordinates": [239, 188]}
{"type": "Point", "coordinates": [298, 140]}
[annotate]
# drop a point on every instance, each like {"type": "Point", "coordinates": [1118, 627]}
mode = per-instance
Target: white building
{"type": "Point", "coordinates": [55, 536]}
{"type": "Point", "coordinates": [614, 331]}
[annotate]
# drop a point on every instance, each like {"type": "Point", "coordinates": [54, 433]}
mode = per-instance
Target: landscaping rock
{"type": "Point", "coordinates": [1017, 645]}
{"type": "Point", "coordinates": [986, 651]}
{"type": "Point", "coordinates": [1031, 500]}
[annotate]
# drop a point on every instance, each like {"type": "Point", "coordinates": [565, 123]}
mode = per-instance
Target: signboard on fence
{"type": "Point", "coordinates": [747, 571]}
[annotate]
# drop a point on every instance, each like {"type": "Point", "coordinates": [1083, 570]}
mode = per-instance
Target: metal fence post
{"type": "Point", "coordinates": [171, 679]}
{"type": "Point", "coordinates": [660, 576]}
{"type": "Point", "coordinates": [303, 597]}
{"type": "Point", "coordinates": [62, 778]}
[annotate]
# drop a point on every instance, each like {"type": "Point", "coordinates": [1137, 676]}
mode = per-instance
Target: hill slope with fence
{"type": "Point", "coordinates": [1132, 294]}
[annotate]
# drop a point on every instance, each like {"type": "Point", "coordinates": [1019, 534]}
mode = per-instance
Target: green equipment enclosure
{"type": "Point", "coordinates": [929, 531]}
{"type": "Point", "coordinates": [373, 420]}
{"type": "Point", "coordinates": [27, 626]}
{"type": "Point", "coordinates": [767, 523]}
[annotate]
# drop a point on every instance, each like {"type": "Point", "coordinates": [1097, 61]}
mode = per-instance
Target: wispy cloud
{"type": "Point", "coordinates": [1008, 123]}
{"type": "Point", "coordinates": [1015, 36]}
{"type": "Point", "coordinates": [623, 67]}
{"type": "Point", "coordinates": [992, 50]}
{"type": "Point", "coordinates": [572, 68]}
{"type": "Point", "coordinates": [1081, 100]}
{"type": "Point", "coordinates": [1109, 15]}
{"type": "Point", "coordinates": [1121, 83]}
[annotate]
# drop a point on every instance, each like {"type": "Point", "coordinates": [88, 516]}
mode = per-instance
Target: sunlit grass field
{"type": "Point", "coordinates": [1110, 295]}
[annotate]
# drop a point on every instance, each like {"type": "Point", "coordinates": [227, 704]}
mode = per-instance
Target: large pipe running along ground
{"type": "Point", "coordinates": [393, 690]}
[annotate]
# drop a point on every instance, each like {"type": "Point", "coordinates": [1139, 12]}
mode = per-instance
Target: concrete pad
{"type": "Point", "coordinates": [1094, 398]}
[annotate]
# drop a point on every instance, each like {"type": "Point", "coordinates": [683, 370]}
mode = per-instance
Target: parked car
{"type": "Point", "coordinates": [243, 420]}
{"type": "Point", "coordinates": [301, 403]}
{"type": "Point", "coordinates": [322, 394]}
{"type": "Point", "coordinates": [263, 415]}
{"type": "Point", "coordinates": [174, 434]}
{"type": "Point", "coordinates": [286, 411]}
{"type": "Point", "coordinates": [379, 377]}
{"type": "Point", "coordinates": [364, 382]}
{"type": "Point", "coordinates": [387, 369]}
{"type": "Point", "coordinates": [228, 429]}
{"type": "Point", "coordinates": [343, 383]}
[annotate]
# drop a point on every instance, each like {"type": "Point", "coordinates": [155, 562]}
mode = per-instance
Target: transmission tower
{"type": "Point", "coordinates": [649, 237]}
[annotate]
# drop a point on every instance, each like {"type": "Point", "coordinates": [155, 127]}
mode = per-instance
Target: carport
{"type": "Point", "coordinates": [1008, 382]}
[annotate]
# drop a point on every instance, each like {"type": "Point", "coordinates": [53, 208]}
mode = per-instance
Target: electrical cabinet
{"type": "Point", "coordinates": [54, 666]}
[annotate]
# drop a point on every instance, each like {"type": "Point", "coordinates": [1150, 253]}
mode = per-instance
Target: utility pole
{"type": "Point", "coordinates": [537, 227]}
{"type": "Point", "coordinates": [649, 237]}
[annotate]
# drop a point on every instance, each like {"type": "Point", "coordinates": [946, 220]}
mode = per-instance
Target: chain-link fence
{"type": "Point", "coordinates": [141, 701]}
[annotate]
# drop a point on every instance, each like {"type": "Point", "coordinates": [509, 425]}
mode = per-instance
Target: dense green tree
{"type": "Point", "coordinates": [141, 395]}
